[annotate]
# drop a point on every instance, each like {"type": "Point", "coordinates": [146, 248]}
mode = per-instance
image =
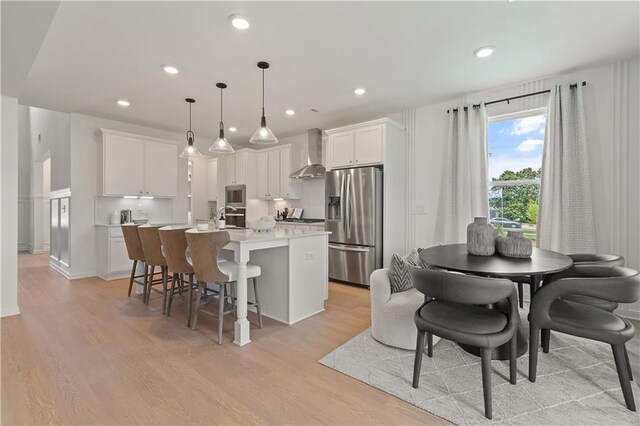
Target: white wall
{"type": "Point", "coordinates": [9, 207]}
{"type": "Point", "coordinates": [611, 104]}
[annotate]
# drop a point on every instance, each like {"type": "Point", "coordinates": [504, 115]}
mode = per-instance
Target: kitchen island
{"type": "Point", "coordinates": [294, 279]}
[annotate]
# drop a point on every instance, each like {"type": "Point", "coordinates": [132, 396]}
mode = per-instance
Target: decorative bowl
{"type": "Point", "coordinates": [262, 225]}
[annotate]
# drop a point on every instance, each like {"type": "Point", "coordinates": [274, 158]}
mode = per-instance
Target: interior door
{"type": "Point", "coordinates": [274, 174]}
{"type": "Point", "coordinates": [161, 170]}
{"type": "Point", "coordinates": [263, 175]}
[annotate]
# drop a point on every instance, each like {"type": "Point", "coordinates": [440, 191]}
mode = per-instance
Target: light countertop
{"type": "Point", "coordinates": [247, 235]}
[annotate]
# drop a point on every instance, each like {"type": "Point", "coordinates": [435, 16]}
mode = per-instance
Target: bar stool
{"type": "Point", "coordinates": [134, 250]}
{"type": "Point", "coordinates": [174, 248]}
{"type": "Point", "coordinates": [204, 248]}
{"type": "Point", "coordinates": [151, 246]}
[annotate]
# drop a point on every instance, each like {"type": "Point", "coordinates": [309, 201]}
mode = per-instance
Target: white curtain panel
{"type": "Point", "coordinates": [463, 193]}
{"type": "Point", "coordinates": [565, 219]}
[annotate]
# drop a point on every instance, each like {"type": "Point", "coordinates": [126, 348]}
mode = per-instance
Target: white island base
{"type": "Point", "coordinates": [294, 281]}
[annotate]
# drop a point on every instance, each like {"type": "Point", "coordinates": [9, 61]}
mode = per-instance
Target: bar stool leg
{"type": "Point", "coordinates": [173, 288]}
{"type": "Point", "coordinates": [145, 283]}
{"type": "Point", "coordinates": [190, 301]}
{"type": "Point", "coordinates": [133, 274]}
{"type": "Point", "coordinates": [255, 292]}
{"type": "Point", "coordinates": [149, 284]}
{"type": "Point", "coordinates": [165, 279]}
{"type": "Point", "coordinates": [221, 298]}
{"type": "Point", "coordinates": [194, 321]}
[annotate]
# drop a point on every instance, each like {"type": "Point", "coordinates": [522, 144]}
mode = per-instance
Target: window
{"type": "Point", "coordinates": [515, 164]}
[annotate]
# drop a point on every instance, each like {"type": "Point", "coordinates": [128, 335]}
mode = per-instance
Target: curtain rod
{"type": "Point", "coordinates": [507, 100]}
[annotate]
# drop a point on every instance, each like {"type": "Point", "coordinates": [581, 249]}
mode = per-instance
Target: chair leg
{"type": "Point", "coordinates": [521, 295]}
{"type": "Point", "coordinates": [626, 356]}
{"type": "Point", "coordinates": [546, 336]}
{"type": "Point", "coordinates": [623, 375]}
{"type": "Point", "coordinates": [173, 288]}
{"type": "Point", "coordinates": [221, 298]}
{"type": "Point", "coordinates": [133, 274]}
{"type": "Point", "coordinates": [190, 301]}
{"type": "Point", "coordinates": [145, 283]}
{"type": "Point", "coordinates": [486, 381]}
{"type": "Point", "coordinates": [165, 280]}
{"type": "Point", "coordinates": [181, 284]}
{"type": "Point", "coordinates": [255, 292]}
{"type": "Point", "coordinates": [429, 345]}
{"type": "Point", "coordinates": [194, 320]}
{"type": "Point", "coordinates": [534, 336]}
{"type": "Point", "coordinates": [150, 283]}
{"type": "Point", "coordinates": [513, 358]}
{"type": "Point", "coordinates": [417, 363]}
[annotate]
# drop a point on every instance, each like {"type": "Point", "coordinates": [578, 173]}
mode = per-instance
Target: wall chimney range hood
{"type": "Point", "coordinates": [314, 168]}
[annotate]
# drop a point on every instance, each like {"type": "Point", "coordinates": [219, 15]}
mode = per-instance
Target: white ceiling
{"type": "Point", "coordinates": [404, 54]}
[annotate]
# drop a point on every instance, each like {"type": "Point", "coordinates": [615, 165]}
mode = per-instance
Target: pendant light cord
{"type": "Point", "coordinates": [190, 116]}
{"type": "Point", "coordinates": [263, 91]}
{"type": "Point", "coordinates": [221, 105]}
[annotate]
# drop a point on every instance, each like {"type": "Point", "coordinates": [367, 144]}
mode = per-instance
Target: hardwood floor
{"type": "Point", "coordinates": [82, 352]}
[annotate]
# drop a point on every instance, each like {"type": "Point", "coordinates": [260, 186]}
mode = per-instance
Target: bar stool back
{"type": "Point", "coordinates": [134, 250]}
{"type": "Point", "coordinates": [152, 248]}
{"type": "Point", "coordinates": [174, 248]}
{"type": "Point", "coordinates": [205, 247]}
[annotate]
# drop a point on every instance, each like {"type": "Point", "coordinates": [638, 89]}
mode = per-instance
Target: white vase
{"type": "Point", "coordinates": [481, 237]}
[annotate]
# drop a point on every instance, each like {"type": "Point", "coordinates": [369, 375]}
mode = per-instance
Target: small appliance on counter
{"type": "Point", "coordinates": [114, 218]}
{"type": "Point", "coordinates": [125, 216]}
{"type": "Point", "coordinates": [297, 213]}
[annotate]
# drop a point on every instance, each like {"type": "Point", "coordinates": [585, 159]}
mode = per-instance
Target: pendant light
{"type": "Point", "coordinates": [190, 151]}
{"type": "Point", "coordinates": [264, 135]}
{"type": "Point", "coordinates": [221, 145]}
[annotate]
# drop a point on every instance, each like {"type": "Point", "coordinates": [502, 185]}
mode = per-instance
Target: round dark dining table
{"type": "Point", "coordinates": [454, 257]}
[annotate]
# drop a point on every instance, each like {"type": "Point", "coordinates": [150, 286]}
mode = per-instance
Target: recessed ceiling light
{"type": "Point", "coordinates": [484, 51]}
{"type": "Point", "coordinates": [359, 91]}
{"type": "Point", "coordinates": [239, 21]}
{"type": "Point", "coordinates": [170, 69]}
{"type": "Point", "coordinates": [123, 102]}
{"type": "Point", "coordinates": [232, 129]}
{"type": "Point", "coordinates": [290, 112]}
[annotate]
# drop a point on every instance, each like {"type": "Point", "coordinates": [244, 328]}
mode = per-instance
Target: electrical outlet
{"type": "Point", "coordinates": [309, 255]}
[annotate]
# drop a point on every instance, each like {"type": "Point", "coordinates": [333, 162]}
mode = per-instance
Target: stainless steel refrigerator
{"type": "Point", "coordinates": [353, 199]}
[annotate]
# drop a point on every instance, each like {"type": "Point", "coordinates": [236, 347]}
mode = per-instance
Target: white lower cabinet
{"type": "Point", "coordinates": [113, 259]}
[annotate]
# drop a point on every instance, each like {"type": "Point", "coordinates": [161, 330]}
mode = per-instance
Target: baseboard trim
{"type": "Point", "coordinates": [10, 312]}
{"type": "Point", "coordinates": [79, 275]}
{"type": "Point", "coordinates": [115, 276]}
{"type": "Point", "coordinates": [60, 270]}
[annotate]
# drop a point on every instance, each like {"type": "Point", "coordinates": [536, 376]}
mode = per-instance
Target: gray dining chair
{"type": "Point", "coordinates": [451, 311]}
{"type": "Point", "coordinates": [552, 311]}
{"type": "Point", "coordinates": [585, 259]}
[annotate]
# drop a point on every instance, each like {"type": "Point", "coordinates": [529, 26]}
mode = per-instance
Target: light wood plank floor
{"type": "Point", "coordinates": [82, 352]}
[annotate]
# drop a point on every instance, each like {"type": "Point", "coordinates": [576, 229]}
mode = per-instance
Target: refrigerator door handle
{"type": "Point", "coordinates": [342, 205]}
{"type": "Point", "coordinates": [348, 207]}
{"type": "Point", "coordinates": [345, 248]}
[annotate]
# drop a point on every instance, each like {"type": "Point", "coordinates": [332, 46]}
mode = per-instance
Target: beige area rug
{"type": "Point", "coordinates": [577, 382]}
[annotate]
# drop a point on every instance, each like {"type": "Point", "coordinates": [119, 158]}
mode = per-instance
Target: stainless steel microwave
{"type": "Point", "coordinates": [236, 196]}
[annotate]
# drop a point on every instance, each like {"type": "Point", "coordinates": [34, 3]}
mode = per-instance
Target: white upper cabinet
{"type": "Point", "coordinates": [240, 169]}
{"type": "Point", "coordinates": [212, 180]}
{"type": "Point", "coordinates": [289, 188]}
{"type": "Point", "coordinates": [274, 174]}
{"type": "Point", "coordinates": [340, 148]}
{"type": "Point", "coordinates": [122, 160]}
{"type": "Point", "coordinates": [161, 174]}
{"type": "Point", "coordinates": [263, 175]}
{"type": "Point", "coordinates": [361, 144]}
{"type": "Point", "coordinates": [368, 145]}
{"type": "Point", "coordinates": [137, 165]}
{"type": "Point", "coordinates": [274, 168]}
